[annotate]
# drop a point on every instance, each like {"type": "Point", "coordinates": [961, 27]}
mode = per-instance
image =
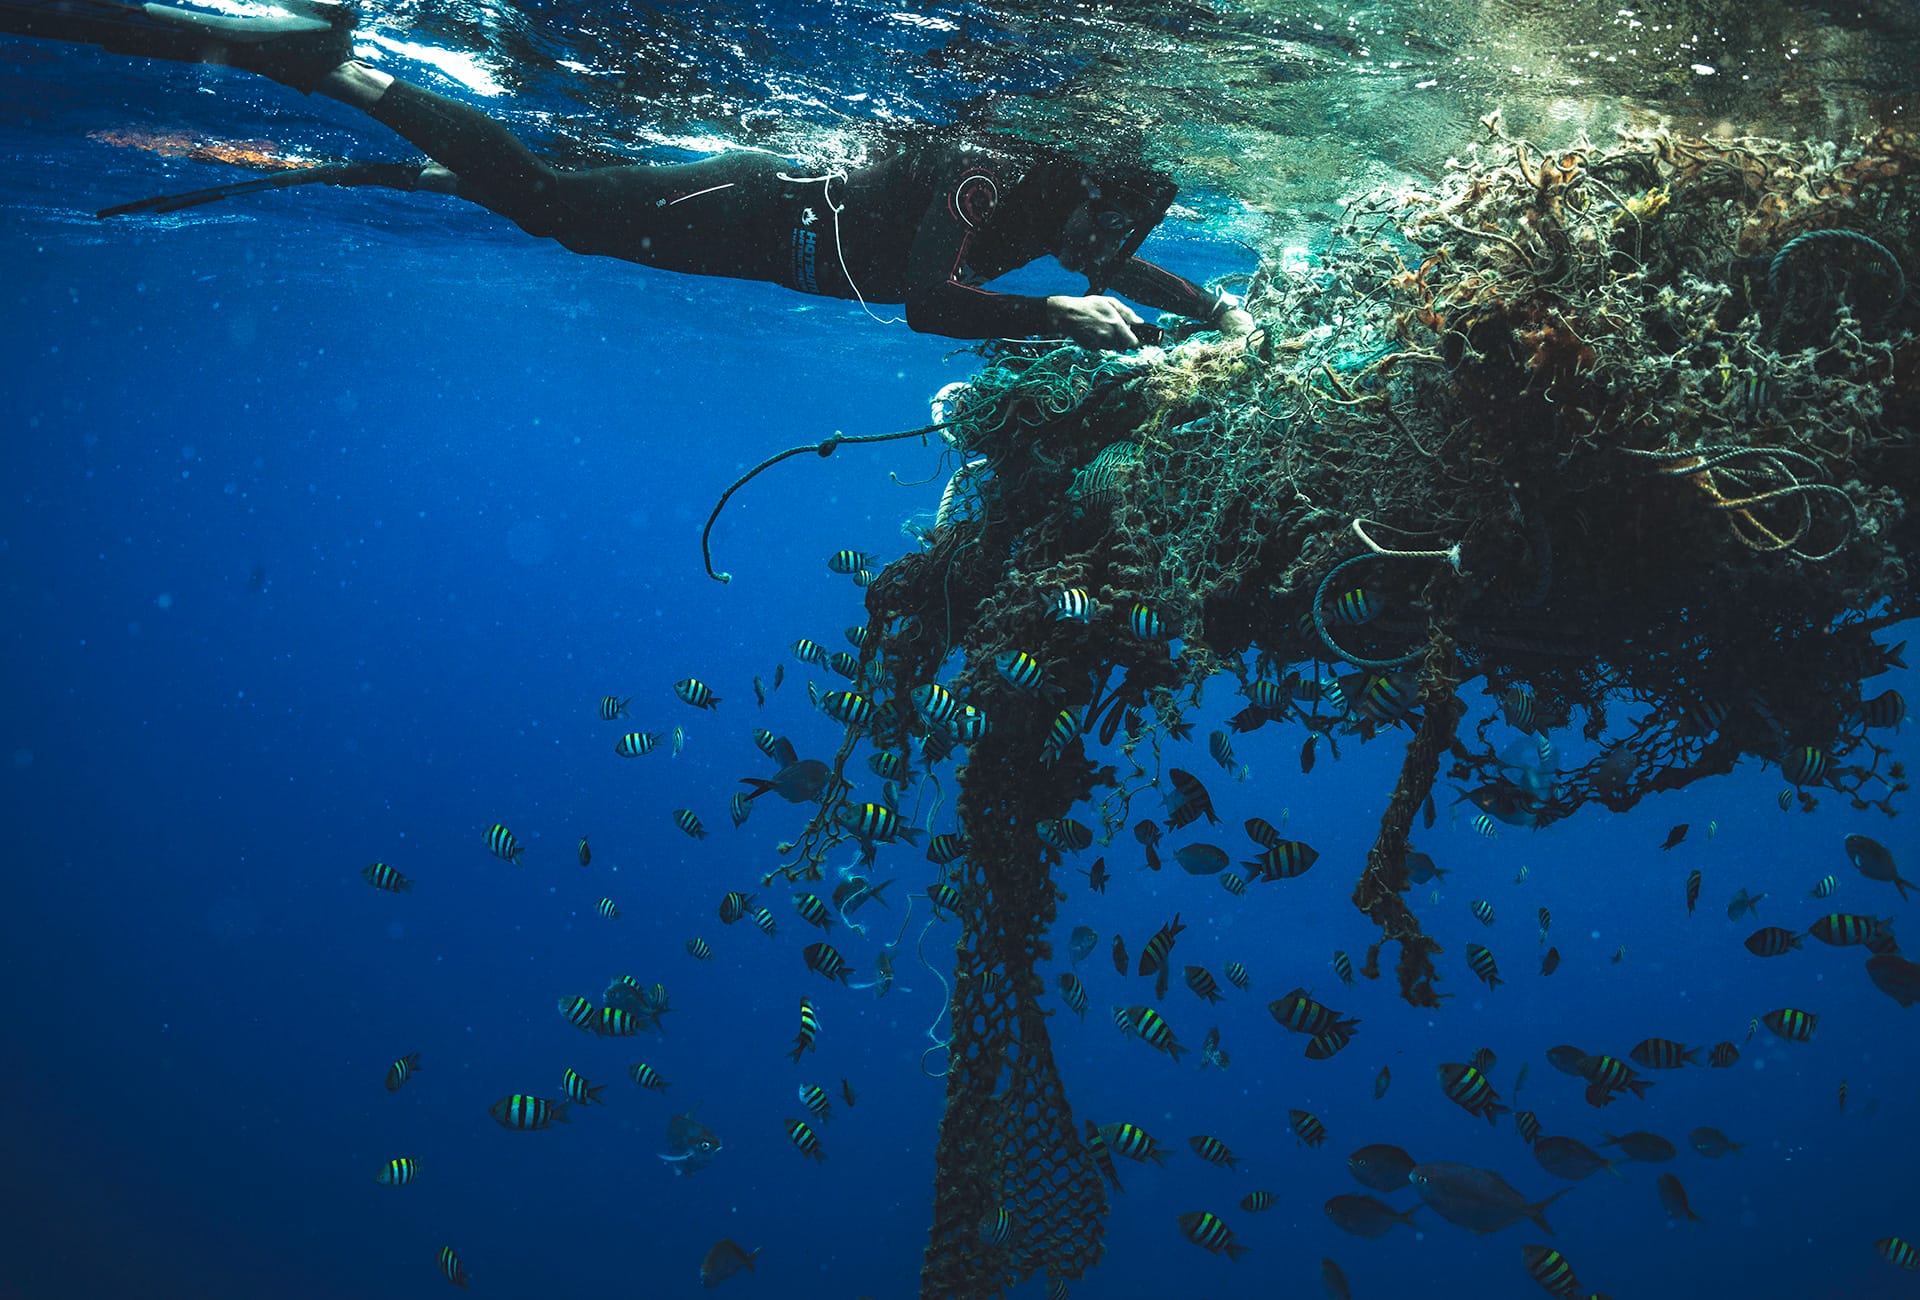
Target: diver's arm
{"type": "Point", "coordinates": [938, 301]}
{"type": "Point", "coordinates": [1157, 287]}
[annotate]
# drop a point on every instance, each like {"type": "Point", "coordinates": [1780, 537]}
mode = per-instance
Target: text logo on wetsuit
{"type": "Point", "coordinates": [805, 244]}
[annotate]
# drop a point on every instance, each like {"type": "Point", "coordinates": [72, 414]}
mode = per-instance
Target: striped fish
{"type": "Point", "coordinates": [382, 876]}
{"type": "Point", "coordinates": [1061, 732]}
{"type": "Point", "coordinates": [814, 1098]}
{"type": "Point", "coordinates": [1724, 1056]}
{"type": "Point", "coordinates": [1486, 826]}
{"type": "Point", "coordinates": [1065, 833]}
{"type": "Point", "coordinates": [1257, 1202]}
{"type": "Point", "coordinates": [1468, 1089]}
{"type": "Point", "coordinates": [579, 1088]}
{"type": "Point", "coordinates": [608, 909]}
{"type": "Point", "coordinates": [1134, 1143]}
{"type": "Point", "coordinates": [398, 1172]}
{"type": "Point", "coordinates": [1527, 1124]}
{"type": "Point", "coordinates": [935, 704]}
{"type": "Point", "coordinates": [636, 743]}
{"type": "Point", "coordinates": [1480, 961]}
{"type": "Point", "coordinates": [1023, 672]}
{"type": "Point", "coordinates": [1233, 884]}
{"type": "Point", "coordinates": [1899, 1252]}
{"type": "Point", "coordinates": [1354, 608]}
{"type": "Point", "coordinates": [739, 808]}
{"type": "Point", "coordinates": [1238, 976]}
{"type": "Point", "coordinates": [813, 911]}
{"type": "Point", "coordinates": [580, 1012]}
{"type": "Point", "coordinates": [945, 848]}
{"type": "Point", "coordinates": [1386, 700]}
{"type": "Point", "coordinates": [802, 1136]}
{"type": "Point", "coordinates": [1343, 966]}
{"type": "Point", "coordinates": [402, 1070]}
{"type": "Point", "coordinates": [1102, 1157]}
{"type": "Point", "coordinates": [1204, 1229]}
{"type": "Point", "coordinates": [826, 959]}
{"type": "Point", "coordinates": [970, 726]}
{"type": "Point", "coordinates": [1145, 623]}
{"type": "Point", "coordinates": [612, 706]}
{"type": "Point", "coordinates": [1550, 1269]}
{"type": "Point", "coordinates": [452, 1269]}
{"type": "Point", "coordinates": [857, 636]}
{"type": "Point", "coordinates": [647, 1077]}
{"type": "Point", "coordinates": [685, 819]}
{"type": "Point", "coordinates": [889, 766]}
{"type": "Point", "coordinates": [1073, 993]}
{"type": "Point", "coordinates": [734, 905]}
{"type": "Point", "coordinates": [1153, 957]}
{"type": "Point", "coordinates": [875, 823]}
{"type": "Point", "coordinates": [1887, 709]}
{"type": "Point", "coordinates": [1201, 981]}
{"type": "Point", "coordinates": [618, 1022]}
{"type": "Point", "coordinates": [847, 707]}
{"type": "Point", "coordinates": [1155, 1031]}
{"type": "Point", "coordinates": [1663, 1054]}
{"type": "Point", "coordinates": [524, 1114]}
{"type": "Point", "coordinates": [699, 949]}
{"type": "Point", "coordinates": [1213, 1151]}
{"type": "Point", "coordinates": [696, 692]}
{"type": "Point", "coordinates": [996, 1226]}
{"type": "Point", "coordinates": [1610, 1074]}
{"type": "Point", "coordinates": [1301, 1014]}
{"type": "Point", "coordinates": [1284, 861]}
{"type": "Point", "coordinates": [810, 652]}
{"type": "Point", "coordinates": [1793, 1025]}
{"type": "Point", "coordinates": [847, 665]}
{"type": "Point", "coordinates": [1520, 708]}
{"type": "Point", "coordinates": [847, 563]}
{"type": "Point", "coordinates": [1482, 911]}
{"type": "Point", "coordinates": [809, 1033]}
{"type": "Point", "coordinates": [763, 918]}
{"type": "Point", "coordinates": [1073, 605]}
{"type": "Point", "coordinates": [1805, 765]}
{"type": "Point", "coordinates": [1307, 1127]}
{"type": "Point", "coordinates": [502, 844]}
{"type": "Point", "coordinates": [1847, 929]}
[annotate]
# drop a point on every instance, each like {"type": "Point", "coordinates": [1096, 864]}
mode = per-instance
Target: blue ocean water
{"type": "Point", "coordinates": [331, 517]}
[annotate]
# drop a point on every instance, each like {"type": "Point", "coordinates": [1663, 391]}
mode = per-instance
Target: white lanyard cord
{"type": "Point", "coordinates": [826, 193]}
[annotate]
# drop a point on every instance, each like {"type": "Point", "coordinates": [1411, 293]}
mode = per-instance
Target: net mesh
{"type": "Point", "coordinates": [1594, 430]}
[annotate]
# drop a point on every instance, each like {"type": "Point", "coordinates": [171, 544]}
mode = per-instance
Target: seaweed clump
{"type": "Point", "coordinates": [1597, 429]}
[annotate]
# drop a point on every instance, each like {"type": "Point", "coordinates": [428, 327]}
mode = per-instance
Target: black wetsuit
{"type": "Point", "coordinates": [925, 227]}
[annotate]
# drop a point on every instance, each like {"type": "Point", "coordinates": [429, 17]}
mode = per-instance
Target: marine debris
{"type": "Point", "coordinates": [1616, 437]}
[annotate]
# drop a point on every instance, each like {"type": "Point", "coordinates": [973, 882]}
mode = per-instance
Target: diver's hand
{"type": "Point", "coordinates": [1095, 322]}
{"type": "Point", "coordinates": [1234, 323]}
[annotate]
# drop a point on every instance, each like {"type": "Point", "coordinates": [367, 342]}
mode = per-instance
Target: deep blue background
{"type": "Point", "coordinates": [327, 521]}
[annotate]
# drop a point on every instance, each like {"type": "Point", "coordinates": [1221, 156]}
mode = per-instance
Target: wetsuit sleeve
{"type": "Point", "coordinates": [1146, 283]}
{"type": "Point", "coordinates": [938, 300]}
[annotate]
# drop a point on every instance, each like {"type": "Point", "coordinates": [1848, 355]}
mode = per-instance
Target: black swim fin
{"type": "Point", "coordinates": [297, 49]}
{"type": "Point", "coordinates": [393, 176]}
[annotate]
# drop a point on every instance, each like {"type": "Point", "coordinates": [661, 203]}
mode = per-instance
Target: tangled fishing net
{"type": "Point", "coordinates": [1593, 431]}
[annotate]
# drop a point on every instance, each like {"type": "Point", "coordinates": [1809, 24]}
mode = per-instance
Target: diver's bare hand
{"type": "Point", "coordinates": [1094, 322]}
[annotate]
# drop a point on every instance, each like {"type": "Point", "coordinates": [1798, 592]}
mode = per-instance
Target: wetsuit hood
{"type": "Point", "coordinates": [1135, 198]}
